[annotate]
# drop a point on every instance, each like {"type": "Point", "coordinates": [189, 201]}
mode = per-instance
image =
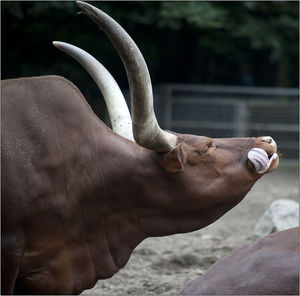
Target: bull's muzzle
{"type": "Point", "coordinates": [264, 158]}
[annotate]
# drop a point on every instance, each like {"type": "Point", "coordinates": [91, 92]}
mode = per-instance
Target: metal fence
{"type": "Point", "coordinates": [227, 111]}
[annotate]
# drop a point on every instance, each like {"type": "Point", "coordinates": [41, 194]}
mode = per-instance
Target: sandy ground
{"type": "Point", "coordinates": [163, 266]}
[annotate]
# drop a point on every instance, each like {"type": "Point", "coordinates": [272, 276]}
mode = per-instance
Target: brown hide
{"type": "Point", "coordinates": [77, 198]}
{"type": "Point", "coordinates": [61, 169]}
{"type": "Point", "coordinates": [269, 266]}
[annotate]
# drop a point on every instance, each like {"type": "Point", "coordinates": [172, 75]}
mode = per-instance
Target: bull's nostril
{"type": "Point", "coordinates": [268, 140]}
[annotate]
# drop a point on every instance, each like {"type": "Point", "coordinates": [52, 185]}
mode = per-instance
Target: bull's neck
{"type": "Point", "coordinates": [110, 201]}
{"type": "Point", "coordinates": [131, 198]}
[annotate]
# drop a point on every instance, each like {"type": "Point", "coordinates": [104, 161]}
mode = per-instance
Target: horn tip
{"type": "Point", "coordinates": [82, 4]}
{"type": "Point", "coordinates": [88, 9]}
{"type": "Point", "coordinates": [57, 44]}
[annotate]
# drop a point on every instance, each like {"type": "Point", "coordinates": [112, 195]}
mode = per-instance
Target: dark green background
{"type": "Point", "coordinates": [187, 42]}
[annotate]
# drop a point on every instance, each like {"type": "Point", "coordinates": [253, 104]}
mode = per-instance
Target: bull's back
{"type": "Point", "coordinates": [269, 266]}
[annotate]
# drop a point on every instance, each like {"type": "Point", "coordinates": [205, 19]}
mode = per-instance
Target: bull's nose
{"type": "Point", "coordinates": [269, 140]}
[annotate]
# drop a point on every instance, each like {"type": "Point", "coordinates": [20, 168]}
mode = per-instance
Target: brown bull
{"type": "Point", "coordinates": [269, 266]}
{"type": "Point", "coordinates": [77, 198]}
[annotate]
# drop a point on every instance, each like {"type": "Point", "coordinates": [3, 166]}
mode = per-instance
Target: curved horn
{"type": "Point", "coordinates": [146, 130]}
{"type": "Point", "coordinates": [116, 105]}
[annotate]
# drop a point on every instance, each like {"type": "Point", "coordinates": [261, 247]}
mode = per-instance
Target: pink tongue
{"type": "Point", "coordinates": [259, 158]}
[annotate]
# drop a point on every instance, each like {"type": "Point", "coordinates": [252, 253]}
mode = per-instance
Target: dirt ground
{"type": "Point", "coordinates": [163, 266]}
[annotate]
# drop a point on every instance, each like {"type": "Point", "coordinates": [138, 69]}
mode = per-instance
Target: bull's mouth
{"type": "Point", "coordinates": [262, 162]}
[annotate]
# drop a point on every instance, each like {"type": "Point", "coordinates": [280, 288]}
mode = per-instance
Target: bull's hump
{"type": "Point", "coordinates": [37, 111]}
{"type": "Point", "coordinates": [50, 96]}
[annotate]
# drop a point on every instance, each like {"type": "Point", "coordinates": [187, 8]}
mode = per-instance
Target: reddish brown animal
{"type": "Point", "coordinates": [77, 198]}
{"type": "Point", "coordinates": [269, 266]}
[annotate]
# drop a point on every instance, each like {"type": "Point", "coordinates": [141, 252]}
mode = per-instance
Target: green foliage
{"type": "Point", "coordinates": [175, 15]}
{"type": "Point", "coordinates": [182, 41]}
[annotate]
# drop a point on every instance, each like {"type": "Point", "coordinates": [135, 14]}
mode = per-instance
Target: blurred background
{"type": "Point", "coordinates": [219, 69]}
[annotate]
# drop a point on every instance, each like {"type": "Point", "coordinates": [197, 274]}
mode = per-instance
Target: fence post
{"type": "Point", "coordinates": [241, 118]}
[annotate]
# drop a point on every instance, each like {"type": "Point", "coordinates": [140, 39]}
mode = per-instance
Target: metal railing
{"type": "Point", "coordinates": [229, 111]}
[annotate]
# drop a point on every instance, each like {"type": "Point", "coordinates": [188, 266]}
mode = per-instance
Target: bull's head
{"type": "Point", "coordinates": [210, 174]}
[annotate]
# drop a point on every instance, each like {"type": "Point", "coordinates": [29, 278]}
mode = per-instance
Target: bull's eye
{"type": "Point", "coordinates": [204, 149]}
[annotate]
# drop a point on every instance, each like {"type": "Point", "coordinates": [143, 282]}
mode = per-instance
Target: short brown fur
{"type": "Point", "coordinates": [269, 266]}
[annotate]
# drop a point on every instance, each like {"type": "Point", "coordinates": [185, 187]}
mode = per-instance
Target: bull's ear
{"type": "Point", "coordinates": [174, 160]}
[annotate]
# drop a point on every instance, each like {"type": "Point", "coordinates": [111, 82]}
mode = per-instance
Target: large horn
{"type": "Point", "coordinates": [146, 130]}
{"type": "Point", "coordinates": [116, 105]}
